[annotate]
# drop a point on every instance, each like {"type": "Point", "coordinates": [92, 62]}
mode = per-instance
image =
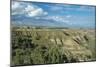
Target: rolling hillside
{"type": "Point", "coordinates": [46, 46]}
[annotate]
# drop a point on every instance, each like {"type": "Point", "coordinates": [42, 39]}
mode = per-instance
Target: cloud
{"type": "Point", "coordinates": [32, 11]}
{"type": "Point", "coordinates": [68, 16]}
{"type": "Point", "coordinates": [27, 9]}
{"type": "Point", "coordinates": [59, 19]}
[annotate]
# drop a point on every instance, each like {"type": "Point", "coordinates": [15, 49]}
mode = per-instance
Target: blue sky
{"type": "Point", "coordinates": [53, 15]}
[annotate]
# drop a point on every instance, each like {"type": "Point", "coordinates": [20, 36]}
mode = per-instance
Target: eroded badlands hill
{"type": "Point", "coordinates": [41, 46]}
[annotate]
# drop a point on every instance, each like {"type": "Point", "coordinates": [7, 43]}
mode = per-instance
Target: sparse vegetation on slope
{"type": "Point", "coordinates": [46, 46]}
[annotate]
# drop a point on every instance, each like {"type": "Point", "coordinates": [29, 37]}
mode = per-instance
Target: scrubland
{"type": "Point", "coordinates": [32, 46]}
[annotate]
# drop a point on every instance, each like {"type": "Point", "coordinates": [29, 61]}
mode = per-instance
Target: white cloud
{"type": "Point", "coordinates": [60, 19]}
{"type": "Point", "coordinates": [15, 5]}
{"type": "Point", "coordinates": [68, 16]}
{"type": "Point", "coordinates": [27, 9]}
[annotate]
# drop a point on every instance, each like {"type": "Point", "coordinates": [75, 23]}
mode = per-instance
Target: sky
{"type": "Point", "coordinates": [52, 14]}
